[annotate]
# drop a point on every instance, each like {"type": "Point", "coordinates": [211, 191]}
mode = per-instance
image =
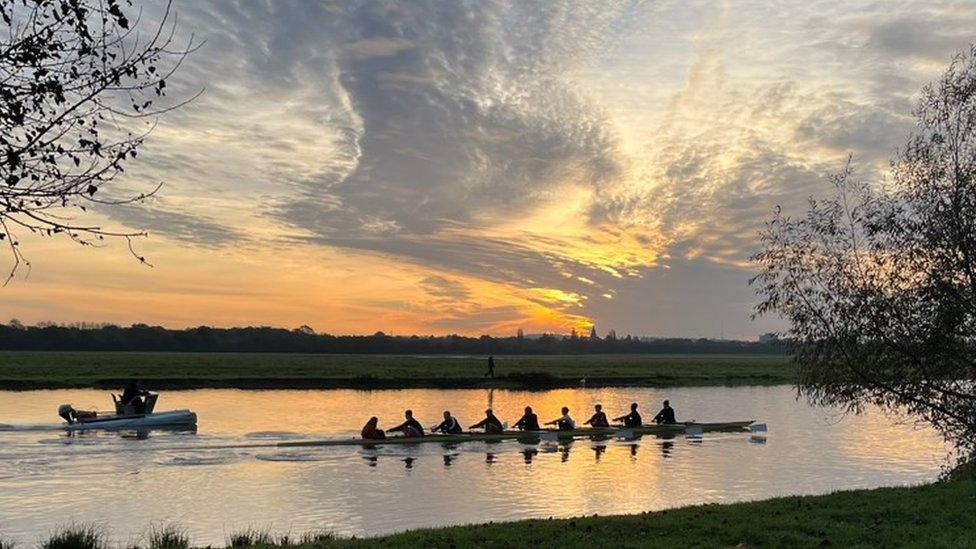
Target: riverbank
{"type": "Point", "coordinates": [937, 515]}
{"type": "Point", "coordinates": [24, 370]}
{"type": "Point", "coordinates": [934, 515]}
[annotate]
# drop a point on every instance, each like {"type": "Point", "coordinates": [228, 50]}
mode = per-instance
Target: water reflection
{"type": "Point", "coordinates": [50, 478]}
{"type": "Point", "coordinates": [564, 451]}
{"type": "Point", "coordinates": [666, 448]}
{"type": "Point", "coordinates": [599, 450]}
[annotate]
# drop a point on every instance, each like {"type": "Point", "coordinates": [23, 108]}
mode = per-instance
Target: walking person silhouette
{"type": "Point", "coordinates": [491, 367]}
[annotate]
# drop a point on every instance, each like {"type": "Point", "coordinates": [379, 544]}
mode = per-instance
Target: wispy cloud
{"type": "Point", "coordinates": [547, 162]}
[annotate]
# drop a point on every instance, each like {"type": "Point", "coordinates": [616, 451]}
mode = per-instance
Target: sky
{"type": "Point", "coordinates": [482, 167]}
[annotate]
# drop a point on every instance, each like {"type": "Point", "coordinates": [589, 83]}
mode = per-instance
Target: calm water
{"type": "Point", "coordinates": [126, 484]}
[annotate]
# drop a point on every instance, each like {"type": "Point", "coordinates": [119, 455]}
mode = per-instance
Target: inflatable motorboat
{"type": "Point", "coordinates": [138, 415]}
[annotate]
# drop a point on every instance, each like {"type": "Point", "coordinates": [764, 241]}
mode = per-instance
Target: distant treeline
{"type": "Point", "coordinates": [140, 337]}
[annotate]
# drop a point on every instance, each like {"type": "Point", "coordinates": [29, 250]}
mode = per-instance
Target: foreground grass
{"type": "Point", "coordinates": [34, 370]}
{"type": "Point", "coordinates": [936, 515]}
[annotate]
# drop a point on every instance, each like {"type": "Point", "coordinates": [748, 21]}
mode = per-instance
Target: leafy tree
{"type": "Point", "coordinates": [74, 76]}
{"type": "Point", "coordinates": [878, 282]}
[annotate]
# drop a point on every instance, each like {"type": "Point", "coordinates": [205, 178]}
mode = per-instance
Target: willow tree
{"type": "Point", "coordinates": [878, 282]}
{"type": "Point", "coordinates": [75, 76]}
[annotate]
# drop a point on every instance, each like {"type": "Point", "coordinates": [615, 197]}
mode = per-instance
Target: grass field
{"type": "Point", "coordinates": [31, 370]}
{"type": "Point", "coordinates": [935, 515]}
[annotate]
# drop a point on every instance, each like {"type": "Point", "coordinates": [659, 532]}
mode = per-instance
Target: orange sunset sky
{"type": "Point", "coordinates": [480, 167]}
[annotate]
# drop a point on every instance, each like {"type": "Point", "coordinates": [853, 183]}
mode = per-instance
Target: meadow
{"type": "Point", "coordinates": [45, 370]}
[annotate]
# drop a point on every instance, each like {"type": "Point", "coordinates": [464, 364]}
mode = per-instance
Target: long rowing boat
{"type": "Point", "coordinates": [536, 436]}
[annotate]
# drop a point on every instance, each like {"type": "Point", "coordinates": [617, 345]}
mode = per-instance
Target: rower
{"type": "Point", "coordinates": [411, 427]}
{"type": "Point", "coordinates": [633, 419]}
{"type": "Point", "coordinates": [450, 425]}
{"type": "Point", "coordinates": [599, 418]}
{"type": "Point", "coordinates": [371, 431]}
{"type": "Point", "coordinates": [528, 422]}
{"type": "Point", "coordinates": [490, 423]}
{"type": "Point", "coordinates": [666, 415]}
{"type": "Point", "coordinates": [564, 423]}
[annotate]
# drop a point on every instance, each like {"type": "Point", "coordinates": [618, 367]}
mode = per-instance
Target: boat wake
{"type": "Point", "coordinates": [297, 457]}
{"type": "Point", "coordinates": [31, 427]}
{"type": "Point", "coordinates": [191, 461]}
{"type": "Point", "coordinates": [264, 435]}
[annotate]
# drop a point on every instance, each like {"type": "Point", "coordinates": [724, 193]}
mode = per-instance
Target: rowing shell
{"type": "Point", "coordinates": [534, 436]}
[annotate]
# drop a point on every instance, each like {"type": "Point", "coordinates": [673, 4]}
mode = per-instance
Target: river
{"type": "Point", "coordinates": [125, 483]}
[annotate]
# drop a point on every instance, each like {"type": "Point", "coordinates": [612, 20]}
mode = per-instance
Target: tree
{"type": "Point", "coordinates": [75, 76]}
{"type": "Point", "coordinates": [878, 282]}
{"type": "Point", "coordinates": [593, 333]}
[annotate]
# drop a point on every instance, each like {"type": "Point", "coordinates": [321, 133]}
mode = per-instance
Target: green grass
{"type": "Point", "coordinates": [253, 538]}
{"type": "Point", "coordinates": [264, 538]}
{"type": "Point", "coordinates": [27, 370]}
{"type": "Point", "coordinates": [938, 515]}
{"type": "Point", "coordinates": [168, 536]}
{"type": "Point", "coordinates": [77, 536]}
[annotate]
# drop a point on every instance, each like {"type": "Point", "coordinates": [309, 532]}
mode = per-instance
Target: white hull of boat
{"type": "Point", "coordinates": [174, 418]}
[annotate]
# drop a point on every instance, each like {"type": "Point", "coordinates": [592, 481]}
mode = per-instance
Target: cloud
{"type": "Point", "coordinates": [473, 121]}
{"type": "Point", "coordinates": [445, 289]}
{"type": "Point", "coordinates": [180, 226]}
{"type": "Point", "coordinates": [926, 35]}
{"type": "Point", "coordinates": [533, 154]}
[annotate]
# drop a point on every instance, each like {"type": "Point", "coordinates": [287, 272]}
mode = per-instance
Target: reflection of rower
{"type": "Point", "coordinates": [410, 428]}
{"type": "Point", "coordinates": [563, 423]}
{"type": "Point", "coordinates": [666, 415]}
{"type": "Point", "coordinates": [528, 422]}
{"type": "Point", "coordinates": [598, 419]}
{"type": "Point", "coordinates": [633, 419]}
{"type": "Point", "coordinates": [491, 423]}
{"type": "Point", "coordinates": [450, 425]}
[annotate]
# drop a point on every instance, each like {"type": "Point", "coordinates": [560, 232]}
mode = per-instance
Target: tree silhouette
{"type": "Point", "coordinates": [75, 76]}
{"type": "Point", "coordinates": [878, 283]}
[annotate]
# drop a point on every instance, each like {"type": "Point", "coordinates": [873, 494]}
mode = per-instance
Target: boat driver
{"type": "Point", "coordinates": [132, 396]}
